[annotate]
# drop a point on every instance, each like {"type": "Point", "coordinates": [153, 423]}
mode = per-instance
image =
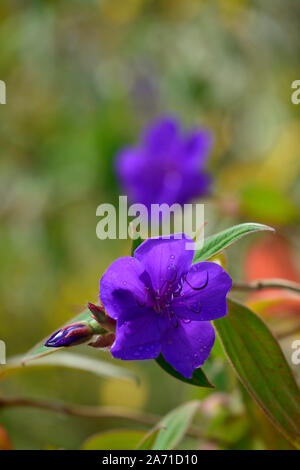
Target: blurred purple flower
{"type": "Point", "coordinates": [70, 335]}
{"type": "Point", "coordinates": [166, 167]}
{"type": "Point", "coordinates": [164, 304]}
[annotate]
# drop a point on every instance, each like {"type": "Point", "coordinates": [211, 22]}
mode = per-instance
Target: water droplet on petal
{"type": "Point", "coordinates": [171, 273]}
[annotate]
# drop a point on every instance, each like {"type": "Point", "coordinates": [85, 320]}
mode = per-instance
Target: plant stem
{"type": "Point", "coordinates": [95, 412]}
{"type": "Point", "coordinates": [267, 284]}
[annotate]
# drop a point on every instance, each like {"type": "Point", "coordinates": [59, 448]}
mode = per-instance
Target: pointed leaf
{"type": "Point", "coordinates": [199, 378]}
{"type": "Point", "coordinates": [218, 242]}
{"type": "Point", "coordinates": [70, 360]}
{"type": "Point", "coordinates": [175, 425]}
{"type": "Point", "coordinates": [262, 368]}
{"type": "Point", "coordinates": [120, 439]}
{"type": "Point", "coordinates": [148, 440]}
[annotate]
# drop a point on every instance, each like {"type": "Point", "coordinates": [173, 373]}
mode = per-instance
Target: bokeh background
{"type": "Point", "coordinates": [83, 78]}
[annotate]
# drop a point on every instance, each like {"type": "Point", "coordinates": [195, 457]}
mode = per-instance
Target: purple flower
{"type": "Point", "coordinates": [165, 167]}
{"type": "Point", "coordinates": [70, 335]}
{"type": "Point", "coordinates": [164, 304]}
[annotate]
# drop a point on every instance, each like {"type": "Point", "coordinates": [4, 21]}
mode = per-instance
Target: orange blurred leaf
{"type": "Point", "coordinates": [5, 443]}
{"type": "Point", "coordinates": [271, 258]}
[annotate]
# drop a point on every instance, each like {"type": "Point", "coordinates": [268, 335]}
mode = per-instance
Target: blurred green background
{"type": "Point", "coordinates": [83, 78]}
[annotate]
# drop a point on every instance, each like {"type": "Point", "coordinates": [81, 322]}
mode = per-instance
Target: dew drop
{"type": "Point", "coordinates": [171, 273]}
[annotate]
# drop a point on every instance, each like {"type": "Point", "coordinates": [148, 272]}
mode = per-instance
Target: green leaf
{"type": "Point", "coordinates": [70, 360]}
{"type": "Point", "coordinates": [135, 244]}
{"type": "Point", "coordinates": [262, 368]}
{"type": "Point", "coordinates": [270, 436]}
{"type": "Point", "coordinates": [120, 439]}
{"type": "Point", "coordinates": [40, 350]}
{"type": "Point", "coordinates": [175, 425]}
{"type": "Point", "coordinates": [148, 440]}
{"type": "Point", "coordinates": [199, 378]}
{"type": "Point", "coordinates": [215, 244]}
{"type": "Point", "coordinates": [218, 242]}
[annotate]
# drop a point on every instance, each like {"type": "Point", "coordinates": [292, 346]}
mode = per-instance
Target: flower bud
{"type": "Point", "coordinates": [103, 341]}
{"type": "Point", "coordinates": [98, 312]}
{"type": "Point", "coordinates": [70, 335]}
{"type": "Point", "coordinates": [102, 318]}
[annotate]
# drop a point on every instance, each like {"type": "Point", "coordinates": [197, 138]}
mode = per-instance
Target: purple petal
{"type": "Point", "coordinates": [166, 167]}
{"type": "Point", "coordinates": [203, 296]}
{"type": "Point", "coordinates": [196, 148]}
{"type": "Point", "coordinates": [188, 346]}
{"type": "Point", "coordinates": [140, 177]}
{"type": "Point", "coordinates": [123, 288]}
{"type": "Point", "coordinates": [199, 185]}
{"type": "Point", "coordinates": [165, 259]}
{"type": "Point", "coordinates": [161, 137]}
{"type": "Point", "coordinates": [129, 164]}
{"type": "Point", "coordinates": [70, 335]}
{"type": "Point", "coordinates": [139, 338]}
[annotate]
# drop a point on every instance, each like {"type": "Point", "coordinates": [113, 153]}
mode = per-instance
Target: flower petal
{"type": "Point", "coordinates": [165, 258]}
{"type": "Point", "coordinates": [138, 338]}
{"type": "Point", "coordinates": [187, 346]}
{"type": "Point", "coordinates": [203, 296]}
{"type": "Point", "coordinates": [123, 288]}
{"type": "Point", "coordinates": [166, 165]}
{"type": "Point", "coordinates": [199, 184]}
{"type": "Point", "coordinates": [139, 177]}
{"type": "Point", "coordinates": [196, 148]}
{"type": "Point", "coordinates": [161, 137]}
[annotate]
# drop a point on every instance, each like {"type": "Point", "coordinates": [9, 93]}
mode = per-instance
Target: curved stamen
{"type": "Point", "coordinates": [177, 293]}
{"type": "Point", "coordinates": [190, 307]}
{"type": "Point", "coordinates": [164, 296]}
{"type": "Point", "coordinates": [197, 288]}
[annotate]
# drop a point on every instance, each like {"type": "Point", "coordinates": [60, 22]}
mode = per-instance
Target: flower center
{"type": "Point", "coordinates": [171, 289]}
